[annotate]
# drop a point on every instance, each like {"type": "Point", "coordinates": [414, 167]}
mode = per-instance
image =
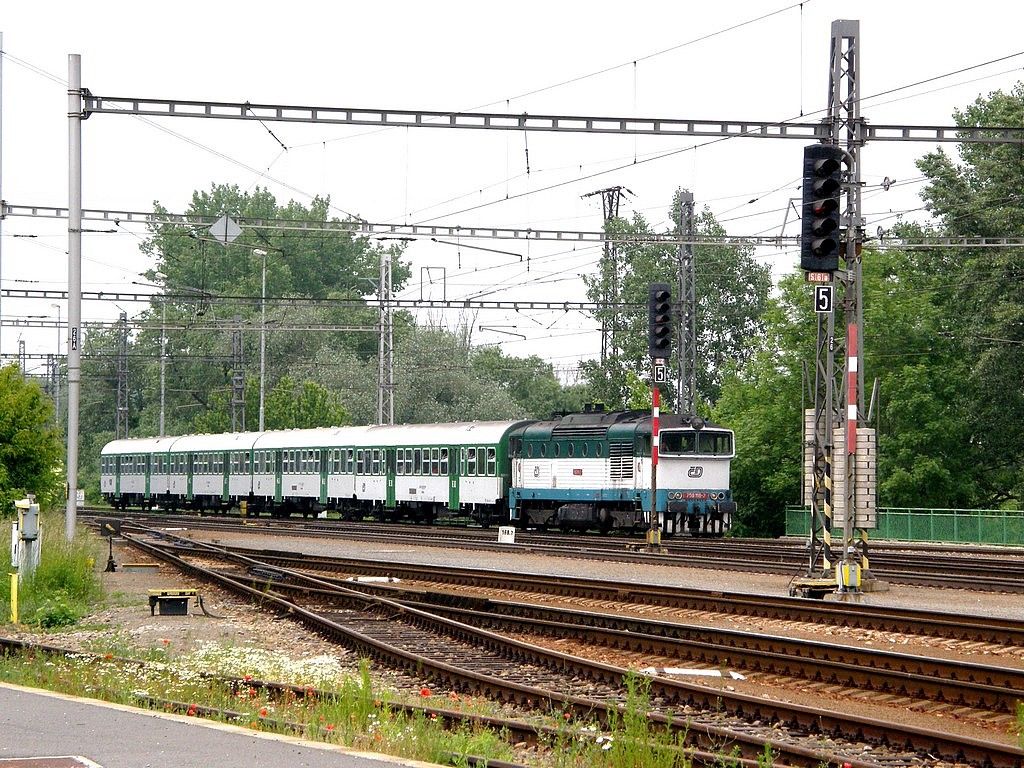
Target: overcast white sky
{"type": "Point", "coordinates": [461, 56]}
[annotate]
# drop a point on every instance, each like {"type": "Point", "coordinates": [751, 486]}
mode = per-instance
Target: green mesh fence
{"type": "Point", "coordinates": [973, 526]}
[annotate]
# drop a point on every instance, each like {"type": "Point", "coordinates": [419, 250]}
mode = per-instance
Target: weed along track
{"type": "Point", "coordinates": [442, 646]}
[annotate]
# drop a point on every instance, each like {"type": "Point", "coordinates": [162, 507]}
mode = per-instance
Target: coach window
{"type": "Point", "coordinates": [444, 461]}
{"type": "Point", "coordinates": [492, 462]}
{"type": "Point", "coordinates": [570, 449]}
{"type": "Point", "coordinates": [471, 462]}
{"type": "Point", "coordinates": [481, 462]}
{"type": "Point", "coordinates": [375, 462]}
{"type": "Point", "coordinates": [435, 461]}
{"type": "Point", "coordinates": [529, 450]}
{"type": "Point", "coordinates": [543, 450]}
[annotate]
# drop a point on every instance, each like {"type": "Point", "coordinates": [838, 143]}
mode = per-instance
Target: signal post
{"type": "Point", "coordinates": [659, 346]}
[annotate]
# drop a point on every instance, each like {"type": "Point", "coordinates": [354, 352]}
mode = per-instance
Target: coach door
{"type": "Point", "coordinates": [454, 466]}
{"type": "Point", "coordinates": [277, 476]}
{"type": "Point", "coordinates": [149, 467]}
{"type": "Point", "coordinates": [389, 471]}
{"type": "Point", "coordinates": [325, 456]}
{"type": "Point", "coordinates": [225, 465]}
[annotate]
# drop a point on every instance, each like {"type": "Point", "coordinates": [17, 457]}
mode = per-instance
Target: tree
{"type": "Point", "coordinates": [732, 294]}
{"type": "Point", "coordinates": [30, 445]}
{"type": "Point", "coordinates": [981, 196]}
{"type": "Point", "coordinates": [529, 381]}
{"type": "Point", "coordinates": [761, 403]}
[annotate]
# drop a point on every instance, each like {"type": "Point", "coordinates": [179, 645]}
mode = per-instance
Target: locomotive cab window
{"type": "Point", "coordinates": [714, 443]}
{"type": "Point", "coordinates": [677, 443]}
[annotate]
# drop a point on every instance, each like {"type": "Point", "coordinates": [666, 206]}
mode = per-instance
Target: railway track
{"type": "Point", "coordinates": [979, 568]}
{"type": "Point", "coordinates": [421, 637]}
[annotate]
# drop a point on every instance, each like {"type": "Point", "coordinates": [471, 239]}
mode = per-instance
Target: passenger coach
{"type": "Point", "coordinates": [420, 471]}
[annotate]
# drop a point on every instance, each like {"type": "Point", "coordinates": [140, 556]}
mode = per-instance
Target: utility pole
{"type": "Point", "coordinates": [75, 116]}
{"type": "Point", "coordinates": [22, 358]}
{"type": "Point", "coordinates": [121, 425]}
{"type": "Point", "coordinates": [163, 362]}
{"type": "Point", "coordinates": [237, 379]}
{"type": "Point", "coordinates": [686, 384]}
{"type": "Point", "coordinates": [386, 346]}
{"type": "Point", "coordinates": [609, 272]}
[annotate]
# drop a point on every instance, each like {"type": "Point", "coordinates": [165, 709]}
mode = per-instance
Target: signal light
{"type": "Point", "coordinates": [819, 235]}
{"type": "Point", "coordinates": [659, 315]}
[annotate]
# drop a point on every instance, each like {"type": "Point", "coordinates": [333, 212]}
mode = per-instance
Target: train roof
{"type": "Point", "coordinates": [458, 433]}
{"type": "Point", "coordinates": [139, 445]}
{"type": "Point", "coordinates": [319, 437]}
{"type": "Point", "coordinates": [601, 424]}
{"type": "Point", "coordinates": [226, 441]}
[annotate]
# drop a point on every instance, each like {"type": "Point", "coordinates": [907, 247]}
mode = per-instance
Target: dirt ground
{"type": "Point", "coordinates": [126, 619]}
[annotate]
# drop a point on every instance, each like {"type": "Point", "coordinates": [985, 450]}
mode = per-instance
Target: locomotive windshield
{"type": "Point", "coordinates": [686, 442]}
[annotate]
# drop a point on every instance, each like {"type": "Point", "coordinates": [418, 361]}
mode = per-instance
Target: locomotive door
{"type": "Point", "coordinates": [389, 471]}
{"type": "Point", "coordinates": [454, 465]}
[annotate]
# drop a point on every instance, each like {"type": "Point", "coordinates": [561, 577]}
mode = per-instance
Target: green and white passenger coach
{"type": "Point", "coordinates": [588, 470]}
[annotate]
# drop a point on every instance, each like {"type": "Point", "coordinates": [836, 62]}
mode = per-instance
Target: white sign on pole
{"type": "Point", "coordinates": [225, 230]}
{"type": "Point", "coordinates": [823, 297]}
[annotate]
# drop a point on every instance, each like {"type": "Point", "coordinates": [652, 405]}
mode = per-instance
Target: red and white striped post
{"type": "Point", "coordinates": [850, 502]}
{"type": "Point", "coordinates": [654, 532]}
{"type": "Point", "coordinates": [851, 390]}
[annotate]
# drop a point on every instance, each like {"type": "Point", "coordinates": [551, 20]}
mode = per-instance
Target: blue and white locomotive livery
{"type": "Point", "coordinates": [589, 470]}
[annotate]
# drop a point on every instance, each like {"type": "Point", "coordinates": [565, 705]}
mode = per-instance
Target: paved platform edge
{"type": "Point", "coordinates": [226, 727]}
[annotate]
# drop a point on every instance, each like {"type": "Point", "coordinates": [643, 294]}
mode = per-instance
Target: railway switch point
{"type": "Point", "coordinates": [170, 602]}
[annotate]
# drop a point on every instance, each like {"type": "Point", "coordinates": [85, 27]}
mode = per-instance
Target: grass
{"type": "Point", "coordinates": [62, 588]}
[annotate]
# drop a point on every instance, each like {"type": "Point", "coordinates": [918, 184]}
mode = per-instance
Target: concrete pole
{"type": "Point", "coordinates": [163, 362]}
{"type": "Point", "coordinates": [74, 282]}
{"type": "Point", "coordinates": [263, 334]}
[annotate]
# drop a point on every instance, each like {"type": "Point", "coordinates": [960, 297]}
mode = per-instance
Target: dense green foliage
{"type": "Point", "coordinates": [30, 446]}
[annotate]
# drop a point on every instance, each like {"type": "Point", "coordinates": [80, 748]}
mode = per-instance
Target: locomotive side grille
{"type": "Point", "coordinates": [580, 431]}
{"type": "Point", "coordinates": [620, 459]}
